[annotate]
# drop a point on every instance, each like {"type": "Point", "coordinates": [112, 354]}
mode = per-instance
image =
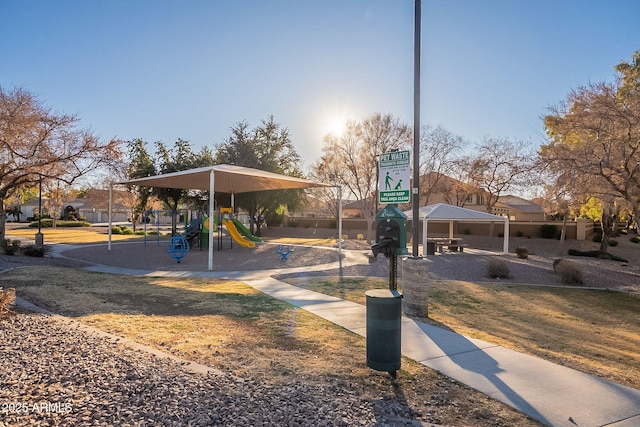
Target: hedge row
{"type": "Point", "coordinates": [48, 222]}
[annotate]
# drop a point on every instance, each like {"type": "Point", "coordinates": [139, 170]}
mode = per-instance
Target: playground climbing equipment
{"type": "Point", "coordinates": [177, 247]}
{"type": "Point", "coordinates": [284, 252]}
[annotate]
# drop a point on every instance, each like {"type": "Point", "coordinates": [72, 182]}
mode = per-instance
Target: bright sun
{"type": "Point", "coordinates": [334, 124]}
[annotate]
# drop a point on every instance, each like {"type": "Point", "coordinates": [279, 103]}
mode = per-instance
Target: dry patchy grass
{"type": "Point", "coordinates": [330, 242]}
{"type": "Point", "coordinates": [88, 235]}
{"type": "Point", "coordinates": [230, 326]}
{"type": "Point", "coordinates": [74, 235]}
{"type": "Point", "coordinates": [594, 331]}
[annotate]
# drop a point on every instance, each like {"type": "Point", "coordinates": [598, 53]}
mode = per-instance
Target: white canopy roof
{"type": "Point", "coordinates": [224, 179]}
{"type": "Point", "coordinates": [228, 179]}
{"type": "Point", "coordinates": [442, 212]}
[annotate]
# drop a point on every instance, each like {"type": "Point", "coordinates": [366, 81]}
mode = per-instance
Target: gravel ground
{"type": "Point", "coordinates": [54, 374]}
{"type": "Point", "coordinates": [537, 269]}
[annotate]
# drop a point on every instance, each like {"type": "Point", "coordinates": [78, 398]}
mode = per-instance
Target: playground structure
{"type": "Point", "coordinates": [238, 232]}
{"type": "Point", "coordinates": [196, 229]}
{"type": "Point", "coordinates": [284, 252]}
{"type": "Point", "coordinates": [178, 248]}
{"type": "Point", "coordinates": [224, 178]}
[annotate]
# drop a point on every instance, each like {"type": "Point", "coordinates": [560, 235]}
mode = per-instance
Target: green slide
{"type": "Point", "coordinates": [245, 231]}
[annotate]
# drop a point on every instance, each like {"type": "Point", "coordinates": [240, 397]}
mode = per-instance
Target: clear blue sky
{"type": "Point", "coordinates": [162, 70]}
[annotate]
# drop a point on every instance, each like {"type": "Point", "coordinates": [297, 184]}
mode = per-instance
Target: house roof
{"type": "Point", "coordinates": [445, 212]}
{"type": "Point", "coordinates": [520, 204]}
{"type": "Point", "coordinates": [227, 179]}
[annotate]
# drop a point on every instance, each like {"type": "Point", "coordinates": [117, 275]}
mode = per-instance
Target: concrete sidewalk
{"type": "Point", "coordinates": [550, 393]}
{"type": "Point", "coordinates": [553, 394]}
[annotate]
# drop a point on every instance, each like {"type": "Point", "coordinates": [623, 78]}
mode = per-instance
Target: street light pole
{"type": "Point", "coordinates": [416, 128]}
{"type": "Point", "coordinates": [39, 235]}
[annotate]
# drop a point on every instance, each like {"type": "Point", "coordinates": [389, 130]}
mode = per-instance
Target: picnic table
{"type": "Point", "coordinates": [453, 244]}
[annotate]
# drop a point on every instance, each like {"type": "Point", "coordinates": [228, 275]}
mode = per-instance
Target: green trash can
{"type": "Point", "coordinates": [384, 311]}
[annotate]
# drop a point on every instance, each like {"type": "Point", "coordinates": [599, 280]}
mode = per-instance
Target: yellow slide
{"type": "Point", "coordinates": [235, 234]}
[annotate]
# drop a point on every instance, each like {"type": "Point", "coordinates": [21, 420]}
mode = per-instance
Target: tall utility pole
{"type": "Point", "coordinates": [416, 128]}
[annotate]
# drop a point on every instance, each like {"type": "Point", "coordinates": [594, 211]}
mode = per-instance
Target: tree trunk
{"type": "Point", "coordinates": [607, 227]}
{"type": "Point", "coordinates": [371, 233]}
{"type": "Point", "coordinates": [563, 232]}
{"type": "Point", "coordinates": [636, 216]}
{"type": "Point", "coordinates": [3, 218]}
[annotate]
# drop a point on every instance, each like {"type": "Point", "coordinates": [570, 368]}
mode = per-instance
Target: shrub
{"type": "Point", "coordinates": [276, 218]}
{"type": "Point", "coordinates": [519, 233]}
{"type": "Point", "coordinates": [498, 268]}
{"type": "Point", "coordinates": [613, 243]}
{"type": "Point", "coordinates": [635, 239]}
{"type": "Point", "coordinates": [570, 273]}
{"type": "Point", "coordinates": [555, 263]}
{"type": "Point", "coordinates": [466, 231]}
{"type": "Point", "coordinates": [36, 251]}
{"type": "Point", "coordinates": [596, 254]}
{"type": "Point", "coordinates": [10, 247]}
{"type": "Point", "coordinates": [501, 234]}
{"type": "Point", "coordinates": [548, 231]}
{"type": "Point", "coordinates": [522, 252]}
{"type": "Point", "coordinates": [48, 223]}
{"type": "Point", "coordinates": [121, 229]}
{"type": "Point", "coordinates": [7, 298]}
{"type": "Point", "coordinates": [597, 238]}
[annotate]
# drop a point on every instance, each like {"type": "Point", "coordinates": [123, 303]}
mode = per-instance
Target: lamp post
{"type": "Point", "coordinates": [416, 127]}
{"type": "Point", "coordinates": [39, 235]}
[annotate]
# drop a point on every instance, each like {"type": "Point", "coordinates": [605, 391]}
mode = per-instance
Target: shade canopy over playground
{"type": "Point", "coordinates": [224, 178]}
{"type": "Point", "coordinates": [442, 212]}
{"type": "Point", "coordinates": [229, 179]}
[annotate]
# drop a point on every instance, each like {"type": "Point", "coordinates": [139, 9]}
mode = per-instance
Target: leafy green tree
{"type": "Point", "coordinates": [178, 158]}
{"type": "Point", "coordinates": [141, 165]}
{"type": "Point", "coordinates": [267, 147]}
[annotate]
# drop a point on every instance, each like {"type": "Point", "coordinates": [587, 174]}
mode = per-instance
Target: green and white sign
{"type": "Point", "coordinates": [394, 183]}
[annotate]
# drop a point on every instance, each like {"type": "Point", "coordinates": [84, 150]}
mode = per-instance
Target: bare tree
{"type": "Point", "coordinates": [37, 143]}
{"type": "Point", "coordinates": [501, 165]}
{"type": "Point", "coordinates": [439, 150]}
{"type": "Point", "coordinates": [58, 195]}
{"type": "Point", "coordinates": [458, 189]}
{"type": "Point", "coordinates": [595, 138]}
{"type": "Point", "coordinates": [326, 196]}
{"type": "Point", "coordinates": [351, 159]}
